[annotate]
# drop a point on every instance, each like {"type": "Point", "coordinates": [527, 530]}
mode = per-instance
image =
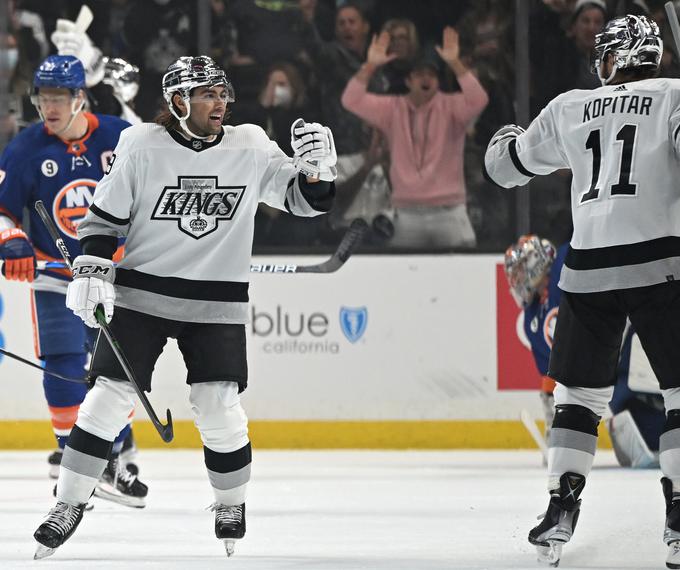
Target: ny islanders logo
{"type": "Point", "coordinates": [198, 204]}
{"type": "Point", "coordinates": [71, 204]}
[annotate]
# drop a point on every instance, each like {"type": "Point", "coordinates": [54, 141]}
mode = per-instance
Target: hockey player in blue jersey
{"type": "Point", "coordinates": [532, 266]}
{"type": "Point", "coordinates": [59, 161]}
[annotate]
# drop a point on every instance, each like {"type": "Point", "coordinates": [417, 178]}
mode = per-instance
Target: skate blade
{"type": "Point", "coordinates": [550, 555]}
{"type": "Point", "coordinates": [229, 544]}
{"type": "Point", "coordinates": [43, 551]}
{"type": "Point", "coordinates": [104, 492]}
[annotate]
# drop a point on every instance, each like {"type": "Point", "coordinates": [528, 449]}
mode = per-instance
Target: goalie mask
{"type": "Point", "coordinates": [190, 72]}
{"type": "Point", "coordinates": [527, 265]}
{"type": "Point", "coordinates": [634, 41]}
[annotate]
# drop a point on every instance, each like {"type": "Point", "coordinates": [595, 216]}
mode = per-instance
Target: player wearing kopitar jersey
{"type": "Point", "coordinates": [58, 161]}
{"type": "Point", "coordinates": [621, 142]}
{"type": "Point", "coordinates": [184, 193]}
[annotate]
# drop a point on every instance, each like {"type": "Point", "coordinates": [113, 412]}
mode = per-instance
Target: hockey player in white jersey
{"type": "Point", "coordinates": [622, 143]}
{"type": "Point", "coordinates": [184, 193]}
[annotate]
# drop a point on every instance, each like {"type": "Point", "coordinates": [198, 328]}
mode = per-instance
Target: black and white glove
{"type": "Point", "coordinates": [69, 40]}
{"type": "Point", "coordinates": [314, 150]}
{"type": "Point", "coordinates": [92, 286]}
{"type": "Point", "coordinates": [505, 132]}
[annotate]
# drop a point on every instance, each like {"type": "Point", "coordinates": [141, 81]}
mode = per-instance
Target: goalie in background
{"type": "Point", "coordinates": [532, 267]}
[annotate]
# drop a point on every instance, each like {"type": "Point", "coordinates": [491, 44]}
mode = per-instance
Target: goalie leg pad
{"type": "Point", "coordinates": [630, 448]}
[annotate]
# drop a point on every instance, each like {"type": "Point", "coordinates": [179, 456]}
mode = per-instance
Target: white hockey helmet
{"type": "Point", "coordinates": [187, 73]}
{"type": "Point", "coordinates": [122, 76]}
{"type": "Point", "coordinates": [527, 264]}
{"type": "Point", "coordinates": [634, 41]}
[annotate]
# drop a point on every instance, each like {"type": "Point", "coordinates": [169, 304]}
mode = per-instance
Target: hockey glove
{"type": "Point", "coordinates": [92, 286]}
{"type": "Point", "coordinates": [505, 132]}
{"type": "Point", "coordinates": [314, 150]}
{"type": "Point", "coordinates": [71, 41]}
{"type": "Point", "coordinates": [18, 254]}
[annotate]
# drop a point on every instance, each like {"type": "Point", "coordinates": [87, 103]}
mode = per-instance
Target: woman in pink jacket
{"type": "Point", "coordinates": [425, 130]}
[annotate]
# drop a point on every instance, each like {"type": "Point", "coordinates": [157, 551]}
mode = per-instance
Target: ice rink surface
{"type": "Point", "coordinates": [343, 510]}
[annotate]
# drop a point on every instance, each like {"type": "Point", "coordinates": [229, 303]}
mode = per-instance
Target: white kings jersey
{"type": "Point", "coordinates": [187, 210]}
{"type": "Point", "coordinates": [622, 144]}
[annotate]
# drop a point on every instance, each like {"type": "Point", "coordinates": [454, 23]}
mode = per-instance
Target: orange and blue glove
{"type": "Point", "coordinates": [18, 255]}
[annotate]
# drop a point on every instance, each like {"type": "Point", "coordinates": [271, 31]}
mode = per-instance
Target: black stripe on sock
{"type": "Point", "coordinates": [89, 444]}
{"type": "Point", "coordinates": [228, 462]}
{"type": "Point", "coordinates": [577, 418]}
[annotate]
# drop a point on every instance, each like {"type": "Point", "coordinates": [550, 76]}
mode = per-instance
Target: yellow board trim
{"type": "Point", "coordinates": [458, 434]}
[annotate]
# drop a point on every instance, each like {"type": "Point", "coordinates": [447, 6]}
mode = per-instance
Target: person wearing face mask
{"type": "Point", "coordinates": [282, 99]}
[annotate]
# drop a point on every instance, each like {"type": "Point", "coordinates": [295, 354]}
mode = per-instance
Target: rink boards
{"type": "Point", "coordinates": [389, 352]}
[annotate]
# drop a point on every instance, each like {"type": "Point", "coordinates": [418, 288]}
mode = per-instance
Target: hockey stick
{"type": "Point", "coordinates": [84, 19]}
{"type": "Point", "coordinates": [165, 431]}
{"type": "Point", "coordinates": [530, 424]}
{"type": "Point", "coordinates": [350, 241]}
{"type": "Point", "coordinates": [673, 23]}
{"type": "Point", "coordinates": [46, 370]}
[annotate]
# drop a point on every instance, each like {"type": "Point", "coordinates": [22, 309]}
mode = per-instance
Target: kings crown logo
{"type": "Point", "coordinates": [198, 204]}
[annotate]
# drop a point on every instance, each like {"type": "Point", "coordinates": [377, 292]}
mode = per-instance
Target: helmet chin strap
{"type": "Point", "coordinates": [183, 120]}
{"type": "Point", "coordinates": [607, 80]}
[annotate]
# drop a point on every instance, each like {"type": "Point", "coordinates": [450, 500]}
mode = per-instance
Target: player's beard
{"type": "Point", "coordinates": [205, 129]}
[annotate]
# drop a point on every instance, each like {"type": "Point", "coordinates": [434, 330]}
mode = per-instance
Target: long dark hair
{"type": "Point", "coordinates": [166, 119]}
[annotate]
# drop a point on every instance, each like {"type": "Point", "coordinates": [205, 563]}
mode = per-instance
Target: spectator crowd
{"type": "Point", "coordinates": [412, 92]}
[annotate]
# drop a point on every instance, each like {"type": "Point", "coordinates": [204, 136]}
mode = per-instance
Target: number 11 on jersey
{"type": "Point", "coordinates": [626, 136]}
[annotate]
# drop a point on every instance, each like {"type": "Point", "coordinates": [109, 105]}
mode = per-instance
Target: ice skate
{"type": "Point", "coordinates": [119, 485]}
{"type": "Point", "coordinates": [671, 533]}
{"type": "Point", "coordinates": [54, 460]}
{"type": "Point", "coordinates": [59, 525]}
{"type": "Point", "coordinates": [559, 521]}
{"type": "Point", "coordinates": [230, 524]}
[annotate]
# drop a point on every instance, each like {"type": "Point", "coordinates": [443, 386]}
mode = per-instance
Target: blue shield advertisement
{"type": "Point", "coordinates": [353, 322]}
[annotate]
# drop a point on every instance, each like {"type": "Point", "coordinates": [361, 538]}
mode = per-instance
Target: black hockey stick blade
{"type": "Point", "coordinates": [350, 241]}
{"type": "Point", "coordinates": [45, 370]}
{"type": "Point", "coordinates": [165, 431]}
